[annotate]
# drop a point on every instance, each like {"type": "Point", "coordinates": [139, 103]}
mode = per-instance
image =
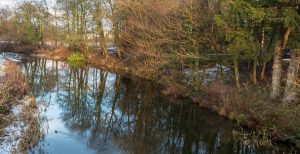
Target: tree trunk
{"type": "Point", "coordinates": [19, 37]}
{"type": "Point", "coordinates": [254, 71]}
{"type": "Point", "coordinates": [117, 42]}
{"type": "Point", "coordinates": [100, 30]}
{"type": "Point", "coordinates": [102, 39]}
{"type": "Point", "coordinates": [277, 65]}
{"type": "Point", "coordinates": [262, 45]}
{"type": "Point", "coordinates": [56, 28]}
{"type": "Point", "coordinates": [236, 73]}
{"type": "Point", "coordinates": [292, 78]}
{"type": "Point", "coordinates": [115, 27]}
{"type": "Point", "coordinates": [262, 75]}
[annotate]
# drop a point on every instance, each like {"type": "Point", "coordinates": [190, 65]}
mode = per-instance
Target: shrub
{"type": "Point", "coordinates": [76, 60]}
{"type": "Point", "coordinates": [241, 118]}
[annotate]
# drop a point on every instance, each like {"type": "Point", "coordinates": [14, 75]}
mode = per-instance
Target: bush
{"type": "Point", "coordinates": [76, 60]}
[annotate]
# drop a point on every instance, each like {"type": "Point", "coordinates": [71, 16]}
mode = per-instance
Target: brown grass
{"type": "Point", "coordinates": [23, 48]}
{"type": "Point", "coordinates": [60, 53]}
{"type": "Point", "coordinates": [91, 58]}
{"type": "Point", "coordinates": [252, 107]}
{"type": "Point", "coordinates": [175, 91]}
{"type": "Point", "coordinates": [32, 134]}
{"type": "Point", "coordinates": [12, 88]}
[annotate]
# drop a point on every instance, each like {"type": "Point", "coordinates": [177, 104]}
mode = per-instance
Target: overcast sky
{"type": "Point", "coordinates": [8, 2]}
{"type": "Point", "coordinates": [11, 3]}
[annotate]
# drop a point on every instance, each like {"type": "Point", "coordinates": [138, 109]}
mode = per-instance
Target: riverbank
{"type": "Point", "coordinates": [95, 59]}
{"type": "Point", "coordinates": [19, 122]}
{"type": "Point", "coordinates": [250, 106]}
{"type": "Point", "coordinates": [270, 119]}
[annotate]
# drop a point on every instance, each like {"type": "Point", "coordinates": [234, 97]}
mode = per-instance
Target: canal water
{"type": "Point", "coordinates": [89, 110]}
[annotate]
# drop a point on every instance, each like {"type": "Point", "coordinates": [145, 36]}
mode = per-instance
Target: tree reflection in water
{"type": "Point", "coordinates": [111, 112]}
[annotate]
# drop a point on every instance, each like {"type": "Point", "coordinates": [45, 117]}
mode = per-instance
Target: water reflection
{"type": "Point", "coordinates": [94, 111]}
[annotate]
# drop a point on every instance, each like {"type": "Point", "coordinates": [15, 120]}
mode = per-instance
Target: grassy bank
{"type": "Point", "coordinates": [252, 108]}
{"type": "Point", "coordinates": [19, 122]}
{"type": "Point", "coordinates": [95, 59]}
{"type": "Point", "coordinates": [12, 89]}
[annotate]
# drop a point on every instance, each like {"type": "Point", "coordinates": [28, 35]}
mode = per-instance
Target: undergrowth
{"type": "Point", "coordinates": [251, 107]}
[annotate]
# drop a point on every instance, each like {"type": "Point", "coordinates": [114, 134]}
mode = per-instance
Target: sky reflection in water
{"type": "Point", "coordinates": [88, 110]}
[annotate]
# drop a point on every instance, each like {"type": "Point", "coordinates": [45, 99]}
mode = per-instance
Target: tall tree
{"type": "Point", "coordinates": [115, 18]}
{"type": "Point", "coordinates": [98, 17]}
{"type": "Point", "coordinates": [287, 19]}
{"type": "Point", "coordinates": [31, 22]}
{"type": "Point", "coordinates": [238, 20]}
{"type": "Point", "coordinates": [292, 82]}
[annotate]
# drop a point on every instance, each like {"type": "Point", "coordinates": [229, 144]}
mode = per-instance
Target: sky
{"type": "Point", "coordinates": [8, 2]}
{"type": "Point", "coordinates": [11, 3]}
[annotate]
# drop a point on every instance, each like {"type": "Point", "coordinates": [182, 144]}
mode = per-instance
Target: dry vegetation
{"type": "Point", "coordinates": [175, 91]}
{"type": "Point", "coordinates": [165, 34]}
{"type": "Point", "coordinates": [252, 107]}
{"type": "Point", "coordinates": [90, 58]}
{"type": "Point", "coordinates": [12, 92]}
{"type": "Point", "coordinates": [161, 39]}
{"type": "Point", "coordinates": [31, 134]}
{"type": "Point", "coordinates": [12, 89]}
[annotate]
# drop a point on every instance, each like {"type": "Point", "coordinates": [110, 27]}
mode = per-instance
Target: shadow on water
{"type": "Point", "coordinates": [88, 110]}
